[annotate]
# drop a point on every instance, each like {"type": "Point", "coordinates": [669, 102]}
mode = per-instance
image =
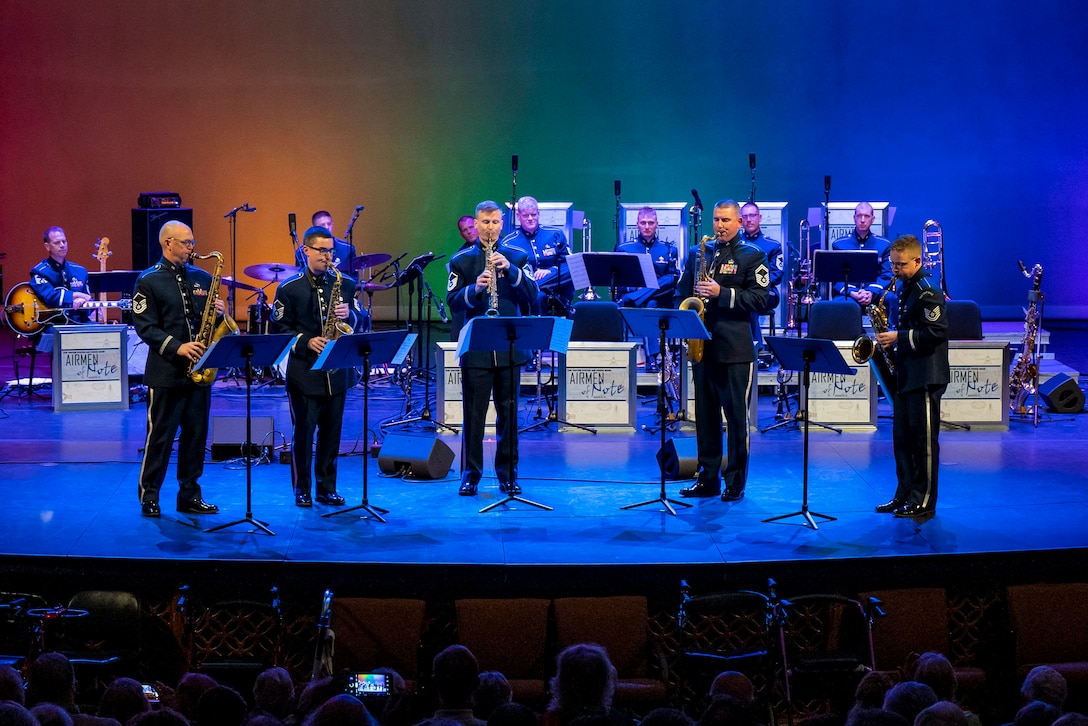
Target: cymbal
{"type": "Point", "coordinates": [364, 261]}
{"type": "Point", "coordinates": [231, 282]}
{"type": "Point", "coordinates": [373, 287]}
{"type": "Point", "coordinates": [271, 271]}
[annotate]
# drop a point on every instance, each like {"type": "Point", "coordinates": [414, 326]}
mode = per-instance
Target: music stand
{"type": "Point", "coordinates": [614, 269]}
{"type": "Point", "coordinates": [834, 265]}
{"type": "Point", "coordinates": [365, 349]}
{"type": "Point", "coordinates": [807, 355]}
{"type": "Point", "coordinates": [645, 322]}
{"type": "Point", "coordinates": [528, 333]}
{"type": "Point", "coordinates": [237, 351]}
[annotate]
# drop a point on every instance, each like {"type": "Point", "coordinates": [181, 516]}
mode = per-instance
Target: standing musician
{"type": "Point", "coordinates": [862, 239]}
{"type": "Point", "coordinates": [546, 251]}
{"type": "Point", "coordinates": [305, 305]}
{"type": "Point", "coordinates": [485, 373]}
{"type": "Point", "coordinates": [343, 252]}
{"type": "Point", "coordinates": [736, 288]}
{"type": "Point", "coordinates": [666, 268]}
{"type": "Point", "coordinates": [466, 226]}
{"type": "Point", "coordinates": [58, 282]}
{"type": "Point", "coordinates": [751, 219]}
{"type": "Point", "coordinates": [167, 310]}
{"type": "Point", "coordinates": [921, 372]}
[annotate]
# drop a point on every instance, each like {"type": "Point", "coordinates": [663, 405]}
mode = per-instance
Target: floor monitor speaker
{"type": "Point", "coordinates": [1061, 394]}
{"type": "Point", "coordinates": [423, 457]}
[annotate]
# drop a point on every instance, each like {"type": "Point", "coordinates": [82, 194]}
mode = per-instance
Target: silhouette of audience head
{"type": "Point", "coordinates": [512, 714]}
{"type": "Point", "coordinates": [584, 682]}
{"type": "Point", "coordinates": [727, 711]}
{"type": "Point", "coordinates": [735, 684]}
{"type": "Point", "coordinates": [666, 717]}
{"type": "Point", "coordinates": [942, 713]}
{"type": "Point", "coordinates": [1045, 684]}
{"type": "Point", "coordinates": [456, 676]}
{"type": "Point", "coordinates": [875, 717]}
{"type": "Point", "coordinates": [872, 689]}
{"type": "Point", "coordinates": [339, 710]}
{"type": "Point", "coordinates": [274, 692]}
{"type": "Point", "coordinates": [159, 717]}
{"type": "Point", "coordinates": [123, 699]}
{"type": "Point", "coordinates": [494, 691]}
{"type": "Point", "coordinates": [908, 699]}
{"type": "Point", "coordinates": [12, 714]}
{"type": "Point", "coordinates": [935, 671]}
{"type": "Point", "coordinates": [50, 714]}
{"type": "Point", "coordinates": [50, 678]}
{"type": "Point", "coordinates": [221, 706]}
{"type": "Point", "coordinates": [1037, 713]}
{"type": "Point", "coordinates": [190, 688]}
{"type": "Point", "coordinates": [11, 685]}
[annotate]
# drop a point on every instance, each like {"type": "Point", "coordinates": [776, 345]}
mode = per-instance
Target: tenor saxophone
{"type": "Point", "coordinates": [865, 347]}
{"type": "Point", "coordinates": [334, 327]}
{"type": "Point", "coordinates": [696, 303]}
{"type": "Point", "coordinates": [209, 332]}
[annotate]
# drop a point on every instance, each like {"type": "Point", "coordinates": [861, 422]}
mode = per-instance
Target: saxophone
{"type": "Point", "coordinates": [209, 332]}
{"type": "Point", "coordinates": [334, 327]}
{"type": "Point", "coordinates": [493, 284]}
{"type": "Point", "coordinates": [865, 347]}
{"type": "Point", "coordinates": [698, 304]}
{"type": "Point", "coordinates": [1024, 372]}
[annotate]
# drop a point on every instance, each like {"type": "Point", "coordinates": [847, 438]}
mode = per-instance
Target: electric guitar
{"type": "Point", "coordinates": [26, 314]}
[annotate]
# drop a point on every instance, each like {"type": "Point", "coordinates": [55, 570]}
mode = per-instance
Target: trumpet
{"type": "Point", "coordinates": [696, 303]}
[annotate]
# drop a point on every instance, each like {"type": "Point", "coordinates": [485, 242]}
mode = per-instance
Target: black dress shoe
{"type": "Point", "coordinates": [469, 483]}
{"type": "Point", "coordinates": [302, 499]}
{"type": "Point", "coordinates": [150, 509]}
{"type": "Point", "coordinates": [511, 487]}
{"type": "Point", "coordinates": [732, 496]}
{"type": "Point", "coordinates": [913, 510]}
{"type": "Point", "coordinates": [701, 489]}
{"type": "Point", "coordinates": [330, 498]}
{"type": "Point", "coordinates": [889, 506]}
{"type": "Point", "coordinates": [197, 506]}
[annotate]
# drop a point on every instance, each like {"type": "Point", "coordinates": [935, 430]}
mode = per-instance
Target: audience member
{"type": "Point", "coordinates": [12, 687]}
{"type": "Point", "coordinates": [494, 691]}
{"type": "Point", "coordinates": [314, 694]}
{"type": "Point", "coordinates": [1045, 684]}
{"type": "Point", "coordinates": [273, 694]}
{"type": "Point", "coordinates": [583, 686]}
{"type": "Point", "coordinates": [832, 718]}
{"type": "Point", "coordinates": [396, 708]}
{"type": "Point", "coordinates": [50, 714]}
{"type": "Point", "coordinates": [512, 714]}
{"type": "Point", "coordinates": [221, 706]}
{"type": "Point", "coordinates": [908, 699]}
{"type": "Point", "coordinates": [942, 713]}
{"type": "Point", "coordinates": [12, 714]}
{"type": "Point", "coordinates": [50, 678]}
{"type": "Point", "coordinates": [1072, 718]}
{"type": "Point", "coordinates": [666, 717]}
{"type": "Point", "coordinates": [727, 710]}
{"type": "Point", "coordinates": [1037, 713]}
{"type": "Point", "coordinates": [456, 676]}
{"type": "Point", "coordinates": [340, 710]}
{"type": "Point", "coordinates": [158, 717]}
{"type": "Point", "coordinates": [872, 689]}
{"type": "Point", "coordinates": [875, 717]}
{"type": "Point", "coordinates": [123, 699]}
{"type": "Point", "coordinates": [187, 695]}
{"type": "Point", "coordinates": [735, 684]}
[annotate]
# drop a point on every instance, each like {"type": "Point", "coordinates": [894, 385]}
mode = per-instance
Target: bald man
{"type": "Point", "coordinates": [167, 309]}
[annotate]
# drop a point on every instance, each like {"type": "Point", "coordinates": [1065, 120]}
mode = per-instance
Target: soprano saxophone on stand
{"type": "Point", "coordinates": [696, 303]}
{"type": "Point", "coordinates": [209, 332]}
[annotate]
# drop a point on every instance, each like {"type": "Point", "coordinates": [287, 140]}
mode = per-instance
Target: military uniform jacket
{"type": "Point", "coordinates": [516, 288]}
{"type": "Point", "coordinates": [741, 270]}
{"type": "Point", "coordinates": [665, 260]}
{"type": "Point", "coordinates": [773, 249]}
{"type": "Point", "coordinates": [167, 307]}
{"type": "Point", "coordinates": [921, 353]}
{"type": "Point", "coordinates": [545, 249]}
{"type": "Point", "coordinates": [884, 260]}
{"type": "Point", "coordinates": [54, 283]}
{"type": "Point", "coordinates": [301, 307]}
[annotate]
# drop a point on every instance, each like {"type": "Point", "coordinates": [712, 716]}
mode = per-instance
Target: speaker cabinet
{"type": "Point", "coordinates": [424, 457]}
{"type": "Point", "coordinates": [228, 435]}
{"type": "Point", "coordinates": [680, 458]}
{"type": "Point", "coordinates": [146, 224]}
{"type": "Point", "coordinates": [1061, 394]}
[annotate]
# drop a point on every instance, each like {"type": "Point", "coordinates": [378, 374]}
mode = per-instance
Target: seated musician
{"type": "Point", "coordinates": [59, 283]}
{"type": "Point", "coordinates": [862, 239]}
{"type": "Point", "coordinates": [343, 251]}
{"type": "Point", "coordinates": [547, 254]}
{"type": "Point", "coordinates": [666, 268]}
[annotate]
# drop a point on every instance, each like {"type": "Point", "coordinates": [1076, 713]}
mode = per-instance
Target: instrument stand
{"type": "Point", "coordinates": [413, 278]}
{"type": "Point", "coordinates": [550, 400]}
{"type": "Point", "coordinates": [487, 334]}
{"type": "Point", "coordinates": [366, 349]}
{"type": "Point", "coordinates": [669, 421]}
{"type": "Point", "coordinates": [261, 350]}
{"type": "Point", "coordinates": [782, 399]}
{"type": "Point", "coordinates": [684, 324]}
{"type": "Point", "coordinates": [801, 354]}
{"type": "Point", "coordinates": [30, 388]}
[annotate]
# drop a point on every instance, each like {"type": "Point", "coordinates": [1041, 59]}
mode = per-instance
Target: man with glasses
{"type": "Point", "coordinates": [921, 376]}
{"type": "Point", "coordinates": [167, 310]}
{"type": "Point", "coordinates": [303, 304]}
{"type": "Point", "coordinates": [58, 282]}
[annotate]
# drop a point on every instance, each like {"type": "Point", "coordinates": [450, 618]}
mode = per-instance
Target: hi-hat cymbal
{"type": "Point", "coordinates": [364, 261]}
{"type": "Point", "coordinates": [373, 287]}
{"type": "Point", "coordinates": [271, 271]}
{"type": "Point", "coordinates": [231, 282]}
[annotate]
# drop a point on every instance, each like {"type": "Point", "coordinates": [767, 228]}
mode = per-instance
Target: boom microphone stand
{"type": "Point", "coordinates": [232, 220]}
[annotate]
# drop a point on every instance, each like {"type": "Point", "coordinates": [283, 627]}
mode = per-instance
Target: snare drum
{"type": "Point", "coordinates": [260, 316]}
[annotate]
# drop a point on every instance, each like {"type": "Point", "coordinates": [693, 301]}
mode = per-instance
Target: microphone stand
{"type": "Point", "coordinates": [232, 217]}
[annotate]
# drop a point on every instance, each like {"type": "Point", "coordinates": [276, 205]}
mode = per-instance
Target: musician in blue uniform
{"type": "Point", "coordinates": [167, 310]}
{"type": "Point", "coordinates": [58, 282]}
{"type": "Point", "coordinates": [666, 269]}
{"type": "Point", "coordinates": [921, 376]}
{"type": "Point", "coordinates": [343, 251]}
{"type": "Point", "coordinates": [485, 373]}
{"type": "Point", "coordinates": [546, 251]}
{"type": "Point", "coordinates": [736, 288]}
{"type": "Point", "coordinates": [751, 221]}
{"type": "Point", "coordinates": [303, 305]}
{"type": "Point", "coordinates": [863, 239]}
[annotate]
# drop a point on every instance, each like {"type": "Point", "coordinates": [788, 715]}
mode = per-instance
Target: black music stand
{"type": "Point", "coordinates": [807, 355]}
{"type": "Point", "coordinates": [846, 265]}
{"type": "Point", "coordinates": [366, 350]}
{"type": "Point", "coordinates": [246, 351]}
{"type": "Point", "coordinates": [614, 269]}
{"type": "Point", "coordinates": [645, 322]}
{"type": "Point", "coordinates": [528, 333]}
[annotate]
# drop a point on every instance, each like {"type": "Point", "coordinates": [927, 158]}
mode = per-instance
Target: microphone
{"type": "Point", "coordinates": [247, 208]}
{"type": "Point", "coordinates": [514, 163]}
{"type": "Point", "coordinates": [359, 208]}
{"type": "Point", "coordinates": [752, 162]}
{"type": "Point", "coordinates": [616, 186]}
{"type": "Point", "coordinates": [827, 183]}
{"type": "Point", "coordinates": [291, 224]}
{"type": "Point", "coordinates": [698, 201]}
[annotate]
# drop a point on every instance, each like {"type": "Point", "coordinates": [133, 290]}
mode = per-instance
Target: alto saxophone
{"type": "Point", "coordinates": [493, 281]}
{"type": "Point", "coordinates": [865, 347]}
{"type": "Point", "coordinates": [696, 303]}
{"type": "Point", "coordinates": [334, 327]}
{"type": "Point", "coordinates": [209, 332]}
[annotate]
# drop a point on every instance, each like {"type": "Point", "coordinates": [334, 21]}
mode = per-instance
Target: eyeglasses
{"type": "Point", "coordinates": [186, 242]}
{"type": "Point", "coordinates": [322, 250]}
{"type": "Point", "coordinates": [906, 262]}
{"type": "Point", "coordinates": [749, 216]}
